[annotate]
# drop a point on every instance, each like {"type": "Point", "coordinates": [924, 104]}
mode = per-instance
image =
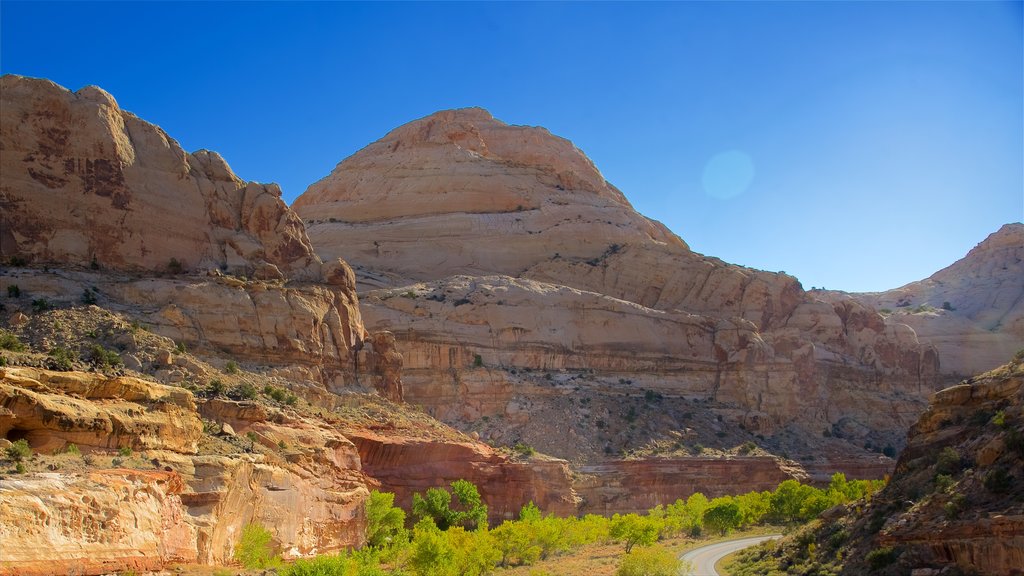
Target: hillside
{"type": "Point", "coordinates": [954, 505]}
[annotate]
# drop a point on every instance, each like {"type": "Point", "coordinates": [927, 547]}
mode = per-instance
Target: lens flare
{"type": "Point", "coordinates": [728, 174]}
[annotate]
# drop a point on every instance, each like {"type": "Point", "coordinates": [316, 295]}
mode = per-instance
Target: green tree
{"type": "Point", "coordinates": [431, 554]}
{"type": "Point", "coordinates": [385, 522]}
{"type": "Point", "coordinates": [723, 516]}
{"type": "Point", "coordinates": [632, 529]}
{"type": "Point", "coordinates": [513, 542]}
{"type": "Point", "coordinates": [436, 504]}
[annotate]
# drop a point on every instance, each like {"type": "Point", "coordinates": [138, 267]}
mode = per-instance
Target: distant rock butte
{"type": "Point", "coordinates": [504, 243]}
{"type": "Point", "coordinates": [972, 311]}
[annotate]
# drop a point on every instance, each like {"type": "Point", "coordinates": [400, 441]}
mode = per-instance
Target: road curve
{"type": "Point", "coordinates": [705, 557]}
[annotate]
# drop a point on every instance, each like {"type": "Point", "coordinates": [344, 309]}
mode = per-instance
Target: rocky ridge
{"type": "Point", "coordinates": [971, 311]}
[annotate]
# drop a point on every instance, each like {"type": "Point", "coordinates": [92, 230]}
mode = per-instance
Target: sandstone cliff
{"type": "Point", "coordinates": [971, 311]}
{"type": "Point", "coordinates": [494, 250]}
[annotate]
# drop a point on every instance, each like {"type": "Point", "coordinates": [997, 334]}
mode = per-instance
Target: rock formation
{"type": "Point", "coordinates": [954, 505]}
{"type": "Point", "coordinates": [86, 182]}
{"type": "Point", "coordinates": [492, 250]}
{"type": "Point", "coordinates": [971, 311]}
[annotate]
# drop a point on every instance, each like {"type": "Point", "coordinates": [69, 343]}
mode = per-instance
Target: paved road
{"type": "Point", "coordinates": [704, 558]}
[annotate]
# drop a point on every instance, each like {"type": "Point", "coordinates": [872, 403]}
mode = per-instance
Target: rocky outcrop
{"type": "Point", "coordinates": [502, 247]}
{"type": "Point", "coordinates": [86, 182]}
{"type": "Point", "coordinates": [612, 487]}
{"type": "Point", "coordinates": [954, 504]}
{"type": "Point", "coordinates": [295, 474]}
{"type": "Point", "coordinates": [216, 263]}
{"type": "Point", "coordinates": [408, 465]}
{"type": "Point", "coordinates": [51, 410]}
{"type": "Point", "coordinates": [971, 311]}
{"type": "Point", "coordinates": [98, 522]}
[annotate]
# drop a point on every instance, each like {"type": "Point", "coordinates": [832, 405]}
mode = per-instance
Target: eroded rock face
{"type": "Point", "coordinates": [409, 465]}
{"type": "Point", "coordinates": [613, 487]}
{"type": "Point", "coordinates": [306, 485]}
{"type": "Point", "coordinates": [971, 311]}
{"type": "Point", "coordinates": [93, 523]}
{"type": "Point", "coordinates": [85, 181]}
{"type": "Point", "coordinates": [502, 247]}
{"type": "Point", "coordinates": [103, 412]}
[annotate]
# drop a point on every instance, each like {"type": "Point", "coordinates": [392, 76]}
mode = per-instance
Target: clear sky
{"type": "Point", "coordinates": [857, 146]}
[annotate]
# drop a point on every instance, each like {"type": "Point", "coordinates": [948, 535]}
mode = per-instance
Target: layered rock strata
{"type": "Point", "coordinates": [502, 247]}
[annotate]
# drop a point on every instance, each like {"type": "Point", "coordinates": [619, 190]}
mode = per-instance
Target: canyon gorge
{"type": "Point", "coordinates": [460, 299]}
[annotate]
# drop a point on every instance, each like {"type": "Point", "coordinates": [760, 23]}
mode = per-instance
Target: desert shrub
{"type": "Point", "coordinates": [954, 507]}
{"type": "Point", "coordinates": [881, 557]}
{"type": "Point", "coordinates": [19, 468]}
{"type": "Point", "coordinates": [104, 358]}
{"type": "Point", "coordinates": [88, 297]}
{"type": "Point", "coordinates": [179, 347]}
{"type": "Point", "coordinates": [943, 482]}
{"type": "Point", "coordinates": [948, 461]}
{"type": "Point", "coordinates": [72, 449]}
{"type": "Point", "coordinates": [254, 550]}
{"type": "Point", "coordinates": [18, 450]}
{"type": "Point", "coordinates": [478, 360]}
{"type": "Point", "coordinates": [8, 341]}
{"type": "Point", "coordinates": [998, 481]}
{"type": "Point", "coordinates": [244, 391]}
{"type": "Point", "coordinates": [124, 452]}
{"type": "Point", "coordinates": [231, 367]}
{"type": "Point", "coordinates": [13, 291]}
{"type": "Point", "coordinates": [747, 447]}
{"type": "Point", "coordinates": [216, 387]}
{"type": "Point", "coordinates": [174, 266]}
{"type": "Point", "coordinates": [41, 305]}
{"type": "Point", "coordinates": [61, 359]}
{"type": "Point", "coordinates": [650, 561]}
{"type": "Point", "coordinates": [524, 450]}
{"type": "Point", "coordinates": [999, 420]}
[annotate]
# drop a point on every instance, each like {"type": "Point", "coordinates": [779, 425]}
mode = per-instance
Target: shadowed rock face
{"type": "Point", "coordinates": [971, 311]}
{"type": "Point", "coordinates": [502, 247]}
{"type": "Point", "coordinates": [84, 181]}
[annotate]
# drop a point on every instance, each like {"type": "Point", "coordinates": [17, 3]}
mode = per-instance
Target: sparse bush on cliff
{"type": "Point", "coordinates": [13, 291]}
{"type": "Point", "coordinates": [231, 367]}
{"type": "Point", "coordinates": [61, 359]}
{"type": "Point", "coordinates": [104, 358]}
{"type": "Point", "coordinates": [19, 450]}
{"type": "Point", "coordinates": [8, 341]}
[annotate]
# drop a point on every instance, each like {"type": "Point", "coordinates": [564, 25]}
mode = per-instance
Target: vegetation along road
{"type": "Point", "coordinates": [705, 557]}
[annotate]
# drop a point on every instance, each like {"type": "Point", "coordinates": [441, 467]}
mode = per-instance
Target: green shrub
{"type": "Point", "coordinates": [19, 468]}
{"type": "Point", "coordinates": [478, 360]}
{"type": "Point", "coordinates": [999, 420]}
{"type": "Point", "coordinates": [175, 267]}
{"type": "Point", "coordinates": [998, 481]}
{"type": "Point", "coordinates": [124, 452]}
{"type": "Point", "coordinates": [524, 450]}
{"type": "Point", "coordinates": [13, 291]}
{"type": "Point", "coordinates": [650, 561]}
{"type": "Point", "coordinates": [231, 367]}
{"type": "Point", "coordinates": [41, 305]}
{"type": "Point", "coordinates": [8, 341]}
{"type": "Point", "coordinates": [954, 507]}
{"type": "Point", "coordinates": [179, 347]}
{"type": "Point", "coordinates": [19, 450]}
{"type": "Point", "coordinates": [254, 550]}
{"type": "Point", "coordinates": [216, 387]}
{"type": "Point", "coordinates": [943, 482]}
{"type": "Point", "coordinates": [88, 297]}
{"type": "Point", "coordinates": [881, 557]}
{"type": "Point", "coordinates": [244, 391]}
{"type": "Point", "coordinates": [104, 358]}
{"type": "Point", "coordinates": [62, 359]}
{"type": "Point", "coordinates": [948, 461]}
{"type": "Point", "coordinates": [72, 449]}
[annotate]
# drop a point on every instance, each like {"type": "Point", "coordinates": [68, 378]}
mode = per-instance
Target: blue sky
{"type": "Point", "coordinates": [857, 146]}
